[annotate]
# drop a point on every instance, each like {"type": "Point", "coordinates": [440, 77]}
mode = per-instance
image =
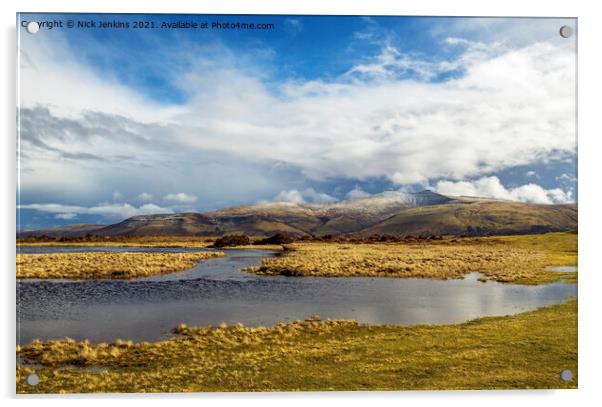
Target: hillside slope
{"type": "Point", "coordinates": [67, 230]}
{"type": "Point", "coordinates": [343, 217]}
{"type": "Point", "coordinates": [477, 218]}
{"type": "Point", "coordinates": [391, 213]}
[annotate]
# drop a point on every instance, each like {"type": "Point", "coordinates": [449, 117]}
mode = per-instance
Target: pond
{"type": "Point", "coordinates": [216, 291]}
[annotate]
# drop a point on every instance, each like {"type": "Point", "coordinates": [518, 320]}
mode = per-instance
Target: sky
{"type": "Point", "coordinates": [119, 122]}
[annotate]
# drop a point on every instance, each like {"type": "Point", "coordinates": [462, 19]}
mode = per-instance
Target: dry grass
{"type": "Point", "coordinates": [520, 259]}
{"type": "Point", "coordinates": [95, 265]}
{"type": "Point", "coordinates": [560, 247]}
{"type": "Point", "coordinates": [277, 247]}
{"type": "Point", "coordinates": [523, 351]}
{"type": "Point", "coordinates": [142, 241]}
{"type": "Point", "coordinates": [172, 243]}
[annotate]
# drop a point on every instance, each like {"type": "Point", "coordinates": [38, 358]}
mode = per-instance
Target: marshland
{"type": "Point", "coordinates": [398, 313]}
{"type": "Point", "coordinates": [98, 265]}
{"type": "Point", "coordinates": [518, 259]}
{"type": "Point", "coordinates": [300, 203]}
{"type": "Point", "coordinates": [521, 351]}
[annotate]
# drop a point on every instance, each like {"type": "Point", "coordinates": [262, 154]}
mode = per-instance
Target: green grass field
{"type": "Point", "coordinates": [528, 350]}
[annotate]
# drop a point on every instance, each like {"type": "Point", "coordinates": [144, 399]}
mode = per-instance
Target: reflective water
{"type": "Point", "coordinates": [563, 269]}
{"type": "Point", "coordinates": [216, 291]}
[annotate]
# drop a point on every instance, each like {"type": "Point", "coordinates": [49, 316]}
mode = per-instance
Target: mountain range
{"type": "Point", "coordinates": [391, 212]}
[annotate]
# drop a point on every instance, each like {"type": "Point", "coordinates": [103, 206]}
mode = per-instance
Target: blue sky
{"type": "Point", "coordinates": [119, 122]}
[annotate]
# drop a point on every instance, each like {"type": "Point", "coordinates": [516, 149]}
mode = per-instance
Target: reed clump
{"type": "Point", "coordinates": [521, 259]}
{"type": "Point", "coordinates": [99, 265]}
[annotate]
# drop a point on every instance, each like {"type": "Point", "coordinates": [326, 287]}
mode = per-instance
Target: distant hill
{"type": "Point", "coordinates": [391, 212]}
{"type": "Point", "coordinates": [478, 218]}
{"type": "Point", "coordinates": [59, 231]}
{"type": "Point", "coordinates": [265, 219]}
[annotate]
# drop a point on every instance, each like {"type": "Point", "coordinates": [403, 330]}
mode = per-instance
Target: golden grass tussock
{"type": "Point", "coordinates": [520, 259]}
{"type": "Point", "coordinates": [154, 243]}
{"type": "Point", "coordinates": [141, 241]}
{"type": "Point", "coordinates": [528, 350]}
{"type": "Point", "coordinates": [96, 265]}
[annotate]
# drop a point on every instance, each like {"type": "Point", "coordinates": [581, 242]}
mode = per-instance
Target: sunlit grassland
{"type": "Point", "coordinates": [560, 247]}
{"type": "Point", "coordinates": [96, 265]}
{"type": "Point", "coordinates": [138, 241]}
{"type": "Point", "coordinates": [150, 241]}
{"type": "Point", "coordinates": [276, 247]}
{"type": "Point", "coordinates": [517, 259]}
{"type": "Point", "coordinates": [527, 350]}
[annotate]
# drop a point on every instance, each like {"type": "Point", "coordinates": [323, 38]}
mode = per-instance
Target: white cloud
{"type": "Point", "coordinates": [511, 106]}
{"type": "Point", "coordinates": [491, 187]}
{"type": "Point", "coordinates": [293, 25]}
{"type": "Point", "coordinates": [317, 197]}
{"type": "Point", "coordinates": [109, 210]}
{"type": "Point", "coordinates": [514, 108]}
{"type": "Point", "coordinates": [51, 75]}
{"type": "Point", "coordinates": [291, 195]}
{"type": "Point", "coordinates": [357, 193]}
{"type": "Point", "coordinates": [566, 178]}
{"type": "Point", "coordinates": [391, 62]}
{"type": "Point", "coordinates": [512, 31]}
{"type": "Point", "coordinates": [54, 208]}
{"type": "Point", "coordinates": [145, 197]}
{"type": "Point", "coordinates": [309, 195]}
{"type": "Point", "coordinates": [65, 216]}
{"type": "Point", "coordinates": [531, 174]}
{"type": "Point", "coordinates": [118, 196]}
{"type": "Point", "coordinates": [181, 197]}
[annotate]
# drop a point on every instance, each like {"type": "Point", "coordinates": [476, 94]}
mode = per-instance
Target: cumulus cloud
{"type": "Point", "coordinates": [181, 197]}
{"type": "Point", "coordinates": [566, 178]}
{"type": "Point", "coordinates": [308, 195]}
{"type": "Point", "coordinates": [491, 187]}
{"type": "Point", "coordinates": [391, 62]}
{"type": "Point", "coordinates": [317, 197]}
{"type": "Point", "coordinates": [109, 210]}
{"type": "Point", "coordinates": [510, 107]}
{"type": "Point", "coordinates": [50, 75]}
{"type": "Point", "coordinates": [291, 195]}
{"type": "Point", "coordinates": [388, 116]}
{"type": "Point", "coordinates": [65, 216]}
{"type": "Point", "coordinates": [145, 197]}
{"type": "Point", "coordinates": [118, 196]}
{"type": "Point", "coordinates": [357, 193]}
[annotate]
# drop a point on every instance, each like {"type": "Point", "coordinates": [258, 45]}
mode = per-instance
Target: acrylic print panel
{"type": "Point", "coordinates": [279, 203]}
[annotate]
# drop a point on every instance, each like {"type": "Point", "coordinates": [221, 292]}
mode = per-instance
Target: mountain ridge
{"type": "Point", "coordinates": [391, 212]}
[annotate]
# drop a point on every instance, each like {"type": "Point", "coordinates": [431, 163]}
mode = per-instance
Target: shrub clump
{"type": "Point", "coordinates": [278, 238]}
{"type": "Point", "coordinates": [232, 240]}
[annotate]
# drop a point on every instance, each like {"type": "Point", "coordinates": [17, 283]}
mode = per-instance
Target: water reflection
{"type": "Point", "coordinates": [215, 291]}
{"type": "Point", "coordinates": [563, 269]}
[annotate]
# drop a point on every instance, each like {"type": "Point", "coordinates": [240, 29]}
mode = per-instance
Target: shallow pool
{"type": "Point", "coordinates": [217, 291]}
